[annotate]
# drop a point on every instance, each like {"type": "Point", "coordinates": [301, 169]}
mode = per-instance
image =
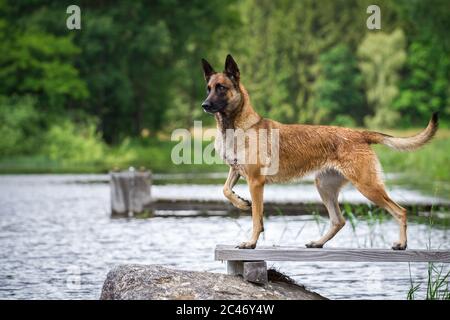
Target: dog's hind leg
{"type": "Point", "coordinates": [375, 192]}
{"type": "Point", "coordinates": [365, 176]}
{"type": "Point", "coordinates": [238, 202]}
{"type": "Point", "coordinates": [329, 183]}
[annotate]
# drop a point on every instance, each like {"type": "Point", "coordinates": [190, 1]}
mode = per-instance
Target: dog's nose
{"type": "Point", "coordinates": [206, 105]}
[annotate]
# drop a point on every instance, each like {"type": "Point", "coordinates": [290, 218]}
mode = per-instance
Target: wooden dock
{"type": "Point", "coordinates": [252, 263]}
{"type": "Point", "coordinates": [273, 208]}
{"type": "Point", "coordinates": [131, 194]}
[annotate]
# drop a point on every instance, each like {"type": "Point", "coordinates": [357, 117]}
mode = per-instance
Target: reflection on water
{"type": "Point", "coordinates": [57, 240]}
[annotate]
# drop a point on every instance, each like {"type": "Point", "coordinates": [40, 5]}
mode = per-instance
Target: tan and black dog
{"type": "Point", "coordinates": [337, 155]}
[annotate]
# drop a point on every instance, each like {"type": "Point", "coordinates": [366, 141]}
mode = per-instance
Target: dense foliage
{"type": "Point", "coordinates": [133, 69]}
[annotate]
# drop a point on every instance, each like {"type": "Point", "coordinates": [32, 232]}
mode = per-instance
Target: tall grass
{"type": "Point", "coordinates": [437, 284]}
{"type": "Point", "coordinates": [437, 278]}
{"type": "Point", "coordinates": [413, 287]}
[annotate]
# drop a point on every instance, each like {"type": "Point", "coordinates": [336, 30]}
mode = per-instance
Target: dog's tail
{"type": "Point", "coordinates": [408, 143]}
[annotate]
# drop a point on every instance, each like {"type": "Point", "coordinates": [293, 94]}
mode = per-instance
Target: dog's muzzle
{"type": "Point", "coordinates": [208, 107]}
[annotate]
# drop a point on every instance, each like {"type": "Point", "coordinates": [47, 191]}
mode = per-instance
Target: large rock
{"type": "Point", "coordinates": [139, 282]}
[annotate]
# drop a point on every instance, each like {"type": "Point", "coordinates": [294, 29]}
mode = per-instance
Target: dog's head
{"type": "Point", "coordinates": [223, 93]}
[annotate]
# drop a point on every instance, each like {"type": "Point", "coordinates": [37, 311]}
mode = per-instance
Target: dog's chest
{"type": "Point", "coordinates": [225, 148]}
{"type": "Point", "coordinates": [228, 149]}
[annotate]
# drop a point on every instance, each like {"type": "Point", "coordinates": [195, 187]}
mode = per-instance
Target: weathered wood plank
{"type": "Point", "coordinates": [225, 206]}
{"type": "Point", "coordinates": [271, 208]}
{"type": "Point", "coordinates": [287, 253]}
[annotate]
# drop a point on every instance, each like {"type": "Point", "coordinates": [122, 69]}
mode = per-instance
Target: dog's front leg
{"type": "Point", "coordinates": [238, 202]}
{"type": "Point", "coordinates": [256, 186]}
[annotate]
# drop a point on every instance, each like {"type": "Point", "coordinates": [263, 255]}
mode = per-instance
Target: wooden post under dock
{"type": "Point", "coordinates": [251, 263]}
{"type": "Point", "coordinates": [130, 192]}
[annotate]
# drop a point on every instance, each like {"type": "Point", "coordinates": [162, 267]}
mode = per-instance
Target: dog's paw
{"type": "Point", "coordinates": [243, 204]}
{"type": "Point", "coordinates": [247, 245]}
{"type": "Point", "coordinates": [399, 246]}
{"type": "Point", "coordinates": [314, 244]}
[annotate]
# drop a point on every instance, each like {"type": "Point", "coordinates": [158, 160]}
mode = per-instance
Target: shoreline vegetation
{"type": "Point", "coordinates": [426, 167]}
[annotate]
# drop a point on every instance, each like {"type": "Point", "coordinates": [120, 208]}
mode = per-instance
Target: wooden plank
{"type": "Point", "coordinates": [286, 253]}
{"type": "Point", "coordinates": [225, 206]}
{"type": "Point", "coordinates": [271, 208]}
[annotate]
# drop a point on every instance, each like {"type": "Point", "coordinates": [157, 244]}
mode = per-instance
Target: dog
{"type": "Point", "coordinates": [336, 155]}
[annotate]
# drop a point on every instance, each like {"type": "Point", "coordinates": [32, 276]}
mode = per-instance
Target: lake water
{"type": "Point", "coordinates": [58, 240]}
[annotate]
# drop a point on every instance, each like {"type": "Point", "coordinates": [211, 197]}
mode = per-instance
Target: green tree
{"type": "Point", "coordinates": [73, 143]}
{"type": "Point", "coordinates": [281, 41]}
{"type": "Point", "coordinates": [125, 49]}
{"type": "Point", "coordinates": [19, 126]}
{"type": "Point", "coordinates": [129, 65]}
{"type": "Point", "coordinates": [381, 58]}
{"type": "Point", "coordinates": [141, 61]}
{"type": "Point", "coordinates": [36, 62]}
{"type": "Point", "coordinates": [338, 93]}
{"type": "Point", "coordinates": [425, 86]}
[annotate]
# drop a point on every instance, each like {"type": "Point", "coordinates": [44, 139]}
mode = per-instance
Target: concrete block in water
{"type": "Point", "coordinates": [130, 192]}
{"type": "Point", "coordinates": [252, 271]}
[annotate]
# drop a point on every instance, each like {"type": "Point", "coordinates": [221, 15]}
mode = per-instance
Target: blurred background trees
{"type": "Point", "coordinates": [339, 88]}
{"type": "Point", "coordinates": [133, 69]}
{"type": "Point", "coordinates": [381, 58]}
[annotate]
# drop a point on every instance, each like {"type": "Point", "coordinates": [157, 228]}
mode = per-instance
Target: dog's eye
{"type": "Point", "coordinates": [208, 89]}
{"type": "Point", "coordinates": [220, 88]}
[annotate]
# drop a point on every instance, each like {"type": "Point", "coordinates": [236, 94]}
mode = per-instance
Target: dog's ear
{"type": "Point", "coordinates": [208, 71]}
{"type": "Point", "coordinates": [231, 68]}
